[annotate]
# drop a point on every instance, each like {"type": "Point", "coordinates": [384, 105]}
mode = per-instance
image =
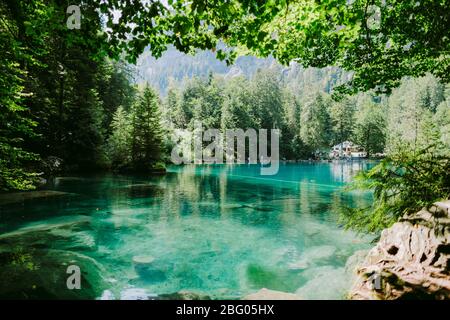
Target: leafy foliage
{"type": "Point", "coordinates": [146, 136]}
{"type": "Point", "coordinates": [137, 136]}
{"type": "Point", "coordinates": [58, 92]}
{"type": "Point", "coordinates": [342, 117]}
{"type": "Point", "coordinates": [402, 183]}
{"type": "Point", "coordinates": [381, 42]}
{"type": "Point", "coordinates": [370, 124]}
{"type": "Point", "coordinates": [15, 122]}
{"type": "Point", "coordinates": [119, 143]}
{"type": "Point", "coordinates": [316, 128]}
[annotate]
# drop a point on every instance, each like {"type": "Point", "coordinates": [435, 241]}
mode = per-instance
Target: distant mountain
{"type": "Point", "coordinates": [175, 67]}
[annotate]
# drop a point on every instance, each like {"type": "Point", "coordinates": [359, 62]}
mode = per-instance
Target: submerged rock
{"type": "Point", "coordinates": [183, 295]}
{"type": "Point", "coordinates": [411, 259]}
{"type": "Point", "coordinates": [266, 294]}
{"type": "Point", "coordinates": [326, 282]}
{"type": "Point", "coordinates": [355, 260]}
{"type": "Point", "coordinates": [31, 267]}
{"type": "Point", "coordinates": [261, 276]}
{"type": "Point", "coordinates": [47, 225]}
{"type": "Point", "coordinates": [19, 197]}
{"type": "Point", "coordinates": [42, 274]}
{"type": "Point", "coordinates": [107, 295]}
{"type": "Point", "coordinates": [143, 260]}
{"type": "Point", "coordinates": [258, 208]}
{"type": "Point", "coordinates": [147, 270]}
{"type": "Point", "coordinates": [137, 294]}
{"type": "Point", "coordinates": [81, 240]}
{"type": "Point", "coordinates": [143, 294]}
{"type": "Point", "coordinates": [313, 256]}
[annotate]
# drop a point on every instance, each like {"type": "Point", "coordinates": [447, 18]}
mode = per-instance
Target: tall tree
{"type": "Point", "coordinates": [202, 101]}
{"type": "Point", "coordinates": [147, 133]}
{"type": "Point", "coordinates": [236, 109]}
{"type": "Point", "coordinates": [442, 120]}
{"type": "Point", "coordinates": [292, 146]}
{"type": "Point", "coordinates": [119, 143]}
{"type": "Point", "coordinates": [15, 122]}
{"type": "Point", "coordinates": [407, 106]}
{"type": "Point", "coordinates": [115, 88]}
{"type": "Point", "coordinates": [267, 99]}
{"type": "Point", "coordinates": [342, 119]}
{"type": "Point", "coordinates": [370, 124]}
{"type": "Point", "coordinates": [315, 129]}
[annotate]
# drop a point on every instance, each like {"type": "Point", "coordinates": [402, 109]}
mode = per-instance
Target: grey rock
{"type": "Point", "coordinates": [107, 295]}
{"type": "Point", "coordinates": [266, 294]}
{"type": "Point", "coordinates": [136, 294]}
{"type": "Point", "coordinates": [411, 259]}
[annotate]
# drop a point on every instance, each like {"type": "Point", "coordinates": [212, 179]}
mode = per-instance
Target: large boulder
{"type": "Point", "coordinates": [411, 259]}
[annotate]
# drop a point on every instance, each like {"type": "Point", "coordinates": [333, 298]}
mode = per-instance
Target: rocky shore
{"type": "Point", "coordinates": [411, 259]}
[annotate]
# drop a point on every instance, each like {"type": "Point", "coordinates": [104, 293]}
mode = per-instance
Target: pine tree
{"type": "Point", "coordinates": [315, 129]}
{"type": "Point", "coordinates": [442, 119]}
{"type": "Point", "coordinates": [15, 124]}
{"type": "Point", "coordinates": [119, 144]}
{"type": "Point", "coordinates": [147, 133]}
{"type": "Point", "coordinates": [408, 105]}
{"type": "Point", "coordinates": [342, 118]}
{"type": "Point", "coordinates": [236, 108]}
{"type": "Point", "coordinates": [370, 126]}
{"type": "Point", "coordinates": [267, 99]}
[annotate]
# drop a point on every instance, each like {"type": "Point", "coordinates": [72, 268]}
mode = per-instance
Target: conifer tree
{"type": "Point", "coordinates": [147, 133]}
{"type": "Point", "coordinates": [119, 150]}
{"type": "Point", "coordinates": [315, 130]}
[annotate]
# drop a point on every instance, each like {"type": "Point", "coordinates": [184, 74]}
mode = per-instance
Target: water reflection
{"type": "Point", "coordinates": [219, 230]}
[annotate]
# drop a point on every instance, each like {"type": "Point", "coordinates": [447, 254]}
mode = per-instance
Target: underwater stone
{"type": "Point", "coordinates": [47, 225]}
{"type": "Point", "coordinates": [312, 256]}
{"type": "Point", "coordinates": [42, 274]}
{"type": "Point", "coordinates": [354, 260]}
{"type": "Point", "coordinates": [183, 295]}
{"type": "Point", "coordinates": [326, 283]}
{"type": "Point", "coordinates": [18, 197]}
{"type": "Point", "coordinates": [107, 295]}
{"type": "Point", "coordinates": [137, 294]}
{"type": "Point", "coordinates": [146, 269]}
{"type": "Point", "coordinates": [83, 240]}
{"type": "Point", "coordinates": [143, 260]}
{"type": "Point", "coordinates": [266, 294]}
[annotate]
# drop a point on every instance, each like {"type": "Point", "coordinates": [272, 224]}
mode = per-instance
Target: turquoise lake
{"type": "Point", "coordinates": [221, 231]}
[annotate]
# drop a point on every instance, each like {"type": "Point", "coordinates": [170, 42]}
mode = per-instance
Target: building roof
{"type": "Point", "coordinates": [344, 144]}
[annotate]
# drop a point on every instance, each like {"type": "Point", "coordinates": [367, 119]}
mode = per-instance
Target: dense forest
{"type": "Point", "coordinates": [70, 102]}
{"type": "Point", "coordinates": [58, 96]}
{"type": "Point", "coordinates": [310, 120]}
